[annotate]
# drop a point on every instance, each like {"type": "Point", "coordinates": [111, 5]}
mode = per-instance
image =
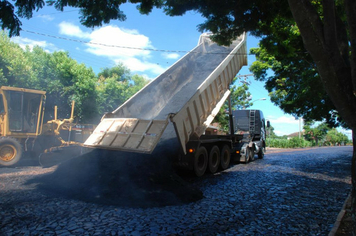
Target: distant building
{"type": "Point", "coordinates": [295, 134]}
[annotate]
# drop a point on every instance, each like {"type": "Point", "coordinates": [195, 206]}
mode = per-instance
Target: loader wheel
{"type": "Point", "coordinates": [214, 159]}
{"type": "Point", "coordinates": [10, 151]}
{"type": "Point", "coordinates": [225, 157]}
{"type": "Point", "coordinates": [200, 161]}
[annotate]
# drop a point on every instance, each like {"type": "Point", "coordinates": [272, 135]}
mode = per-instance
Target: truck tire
{"type": "Point", "coordinates": [252, 153]}
{"type": "Point", "coordinates": [200, 161]}
{"type": "Point", "coordinates": [214, 159]}
{"type": "Point", "coordinates": [247, 155]}
{"type": "Point", "coordinates": [225, 157]}
{"type": "Point", "coordinates": [261, 153]}
{"type": "Point", "coordinates": [10, 151]}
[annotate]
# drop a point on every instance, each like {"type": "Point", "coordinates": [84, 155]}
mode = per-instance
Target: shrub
{"type": "Point", "coordinates": [288, 143]}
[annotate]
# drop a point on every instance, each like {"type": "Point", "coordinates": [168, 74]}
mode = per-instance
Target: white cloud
{"type": "Point", "coordinates": [171, 55]}
{"type": "Point", "coordinates": [279, 133]}
{"type": "Point", "coordinates": [117, 44]}
{"type": "Point", "coordinates": [140, 66]}
{"type": "Point", "coordinates": [70, 29]}
{"type": "Point", "coordinates": [283, 120]}
{"type": "Point", "coordinates": [46, 17]}
{"type": "Point", "coordinates": [147, 77]}
{"type": "Point", "coordinates": [23, 42]}
{"type": "Point", "coordinates": [284, 125]}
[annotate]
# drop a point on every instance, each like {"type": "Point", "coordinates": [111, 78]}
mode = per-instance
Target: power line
{"type": "Point", "coordinates": [55, 13]}
{"type": "Point", "coordinates": [124, 47]}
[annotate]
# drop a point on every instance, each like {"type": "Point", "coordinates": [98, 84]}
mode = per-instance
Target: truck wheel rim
{"type": "Point", "coordinates": [7, 153]}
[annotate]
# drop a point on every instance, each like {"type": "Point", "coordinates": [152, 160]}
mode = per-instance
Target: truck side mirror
{"type": "Point", "coordinates": [268, 124]}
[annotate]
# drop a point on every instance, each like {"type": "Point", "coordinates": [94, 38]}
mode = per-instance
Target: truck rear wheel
{"type": "Point", "coordinates": [225, 157]}
{"type": "Point", "coordinates": [214, 159]}
{"type": "Point", "coordinates": [252, 153]}
{"type": "Point", "coordinates": [247, 155]}
{"type": "Point", "coordinates": [10, 151]}
{"type": "Point", "coordinates": [261, 153]}
{"type": "Point", "coordinates": [200, 161]}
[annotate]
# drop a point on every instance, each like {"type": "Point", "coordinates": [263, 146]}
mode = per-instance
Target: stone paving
{"type": "Point", "coordinates": [286, 193]}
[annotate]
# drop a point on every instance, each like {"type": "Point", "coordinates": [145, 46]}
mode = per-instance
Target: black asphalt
{"type": "Point", "coordinates": [286, 193]}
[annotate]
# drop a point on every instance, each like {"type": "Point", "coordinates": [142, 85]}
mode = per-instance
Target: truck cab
{"type": "Point", "coordinates": [250, 131]}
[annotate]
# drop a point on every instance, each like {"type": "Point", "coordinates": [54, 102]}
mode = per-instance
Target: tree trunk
{"type": "Point", "coordinates": [322, 39]}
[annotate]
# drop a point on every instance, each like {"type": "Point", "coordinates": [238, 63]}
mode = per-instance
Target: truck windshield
{"type": "Point", "coordinates": [242, 123]}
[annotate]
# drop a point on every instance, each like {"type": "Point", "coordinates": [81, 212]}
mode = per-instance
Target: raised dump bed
{"type": "Point", "coordinates": [189, 94]}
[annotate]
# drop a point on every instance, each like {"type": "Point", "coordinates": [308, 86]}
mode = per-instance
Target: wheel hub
{"type": "Point", "coordinates": [7, 153]}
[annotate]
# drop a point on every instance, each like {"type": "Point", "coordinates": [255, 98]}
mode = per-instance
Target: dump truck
{"type": "Point", "coordinates": [181, 103]}
{"type": "Point", "coordinates": [22, 128]}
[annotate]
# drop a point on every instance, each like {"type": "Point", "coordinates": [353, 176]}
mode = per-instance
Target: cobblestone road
{"type": "Point", "coordinates": [287, 193]}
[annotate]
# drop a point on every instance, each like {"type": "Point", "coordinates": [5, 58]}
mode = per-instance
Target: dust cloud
{"type": "Point", "coordinates": [121, 178]}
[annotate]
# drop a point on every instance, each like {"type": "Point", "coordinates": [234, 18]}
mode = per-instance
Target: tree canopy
{"type": "Point", "coordinates": [315, 133]}
{"type": "Point", "coordinates": [115, 86]}
{"type": "Point", "coordinates": [240, 98]}
{"type": "Point", "coordinates": [333, 137]}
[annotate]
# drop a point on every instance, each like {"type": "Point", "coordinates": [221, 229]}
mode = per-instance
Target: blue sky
{"type": "Point", "coordinates": [167, 38]}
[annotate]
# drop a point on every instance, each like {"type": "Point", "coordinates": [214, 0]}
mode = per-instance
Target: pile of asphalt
{"type": "Point", "coordinates": [121, 178]}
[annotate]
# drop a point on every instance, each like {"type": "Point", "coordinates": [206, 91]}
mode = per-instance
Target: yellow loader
{"type": "Point", "coordinates": [22, 129]}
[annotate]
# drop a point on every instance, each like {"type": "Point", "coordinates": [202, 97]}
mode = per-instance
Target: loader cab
{"type": "Point", "coordinates": [21, 112]}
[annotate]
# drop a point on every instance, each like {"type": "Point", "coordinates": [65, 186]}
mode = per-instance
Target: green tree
{"type": "Point", "coordinates": [335, 138]}
{"type": "Point", "coordinates": [294, 85]}
{"type": "Point", "coordinates": [313, 133]}
{"type": "Point", "coordinates": [68, 81]}
{"type": "Point", "coordinates": [270, 132]}
{"type": "Point", "coordinates": [116, 85]}
{"type": "Point", "coordinates": [15, 67]}
{"type": "Point", "coordinates": [240, 98]}
{"type": "Point", "coordinates": [61, 77]}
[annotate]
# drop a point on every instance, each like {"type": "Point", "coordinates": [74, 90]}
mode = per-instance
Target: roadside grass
{"type": "Point", "coordinates": [294, 142]}
{"type": "Point", "coordinates": [297, 142]}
